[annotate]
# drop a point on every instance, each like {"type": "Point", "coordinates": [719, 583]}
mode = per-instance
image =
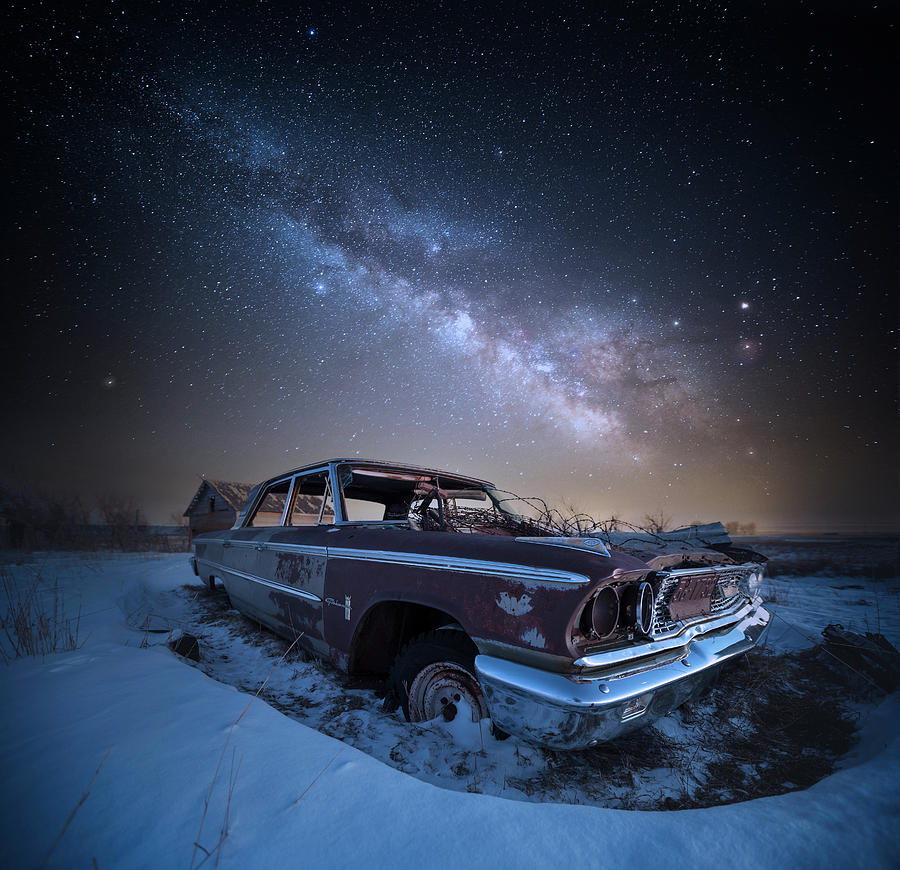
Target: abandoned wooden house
{"type": "Point", "coordinates": [216, 505]}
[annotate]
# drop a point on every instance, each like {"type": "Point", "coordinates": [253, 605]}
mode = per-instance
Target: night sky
{"type": "Point", "coordinates": [633, 259]}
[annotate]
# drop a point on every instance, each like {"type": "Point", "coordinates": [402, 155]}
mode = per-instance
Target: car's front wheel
{"type": "Point", "coordinates": [434, 676]}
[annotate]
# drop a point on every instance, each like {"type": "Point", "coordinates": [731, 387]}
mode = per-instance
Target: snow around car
{"type": "Point", "coordinates": [434, 580]}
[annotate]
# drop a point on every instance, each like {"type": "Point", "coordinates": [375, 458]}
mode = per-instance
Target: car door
{"type": "Point", "coordinates": [278, 559]}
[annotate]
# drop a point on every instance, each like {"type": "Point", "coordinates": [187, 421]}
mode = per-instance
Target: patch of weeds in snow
{"type": "Point", "coordinates": [777, 719]}
{"type": "Point", "coordinates": [34, 617]}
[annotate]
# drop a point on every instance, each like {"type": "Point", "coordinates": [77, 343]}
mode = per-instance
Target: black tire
{"type": "Point", "coordinates": [433, 673]}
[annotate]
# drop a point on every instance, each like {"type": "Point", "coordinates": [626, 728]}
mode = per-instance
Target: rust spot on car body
{"type": "Point", "coordinates": [300, 569]}
{"type": "Point", "coordinates": [514, 606]}
{"type": "Point", "coordinates": [534, 639]}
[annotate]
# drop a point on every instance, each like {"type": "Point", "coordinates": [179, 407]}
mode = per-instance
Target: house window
{"type": "Point", "coordinates": [212, 504]}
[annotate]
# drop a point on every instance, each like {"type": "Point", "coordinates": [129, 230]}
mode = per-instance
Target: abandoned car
{"type": "Point", "coordinates": [434, 580]}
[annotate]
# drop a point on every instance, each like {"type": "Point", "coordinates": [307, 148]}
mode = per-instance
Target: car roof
{"type": "Point", "coordinates": [387, 466]}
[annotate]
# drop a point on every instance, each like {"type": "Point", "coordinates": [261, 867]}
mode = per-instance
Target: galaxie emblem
{"type": "Point", "coordinates": [345, 606]}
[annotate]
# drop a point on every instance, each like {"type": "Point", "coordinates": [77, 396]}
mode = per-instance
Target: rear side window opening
{"type": "Point", "coordinates": [270, 508]}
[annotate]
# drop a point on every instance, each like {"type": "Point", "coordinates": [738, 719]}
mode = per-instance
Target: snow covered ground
{"type": "Point", "coordinates": [160, 728]}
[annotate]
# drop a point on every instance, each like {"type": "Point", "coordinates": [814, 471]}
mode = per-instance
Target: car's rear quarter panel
{"type": "Point", "coordinates": [272, 554]}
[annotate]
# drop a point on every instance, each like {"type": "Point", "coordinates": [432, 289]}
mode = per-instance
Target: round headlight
{"type": "Point", "coordinates": [754, 583]}
{"type": "Point", "coordinates": [645, 607]}
{"type": "Point", "coordinates": [751, 584]}
{"type": "Point", "coordinates": [605, 612]}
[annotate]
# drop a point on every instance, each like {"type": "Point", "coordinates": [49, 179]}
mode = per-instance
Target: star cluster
{"type": "Point", "coordinates": [631, 259]}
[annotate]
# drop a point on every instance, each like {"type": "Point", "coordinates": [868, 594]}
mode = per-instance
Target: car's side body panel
{"type": "Point", "coordinates": [499, 590]}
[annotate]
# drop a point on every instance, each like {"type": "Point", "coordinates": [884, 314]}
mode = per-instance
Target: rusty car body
{"type": "Point", "coordinates": [564, 641]}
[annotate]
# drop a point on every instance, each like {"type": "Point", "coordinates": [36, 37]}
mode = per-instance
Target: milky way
{"type": "Point", "coordinates": [630, 261]}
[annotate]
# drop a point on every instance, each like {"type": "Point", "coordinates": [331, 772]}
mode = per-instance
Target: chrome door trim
{"type": "Point", "coordinates": [305, 549]}
{"type": "Point", "coordinates": [455, 563]}
{"type": "Point", "coordinates": [300, 593]}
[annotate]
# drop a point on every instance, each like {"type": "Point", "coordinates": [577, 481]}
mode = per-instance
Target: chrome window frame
{"type": "Point", "coordinates": [339, 503]}
{"type": "Point", "coordinates": [337, 495]}
{"type": "Point", "coordinates": [343, 521]}
{"type": "Point", "coordinates": [260, 497]}
{"type": "Point", "coordinates": [292, 495]}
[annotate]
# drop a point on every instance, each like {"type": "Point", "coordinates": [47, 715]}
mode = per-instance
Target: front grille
{"type": "Point", "coordinates": [726, 595]}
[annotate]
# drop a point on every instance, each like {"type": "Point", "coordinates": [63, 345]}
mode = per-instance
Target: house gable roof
{"type": "Point", "coordinates": [235, 494]}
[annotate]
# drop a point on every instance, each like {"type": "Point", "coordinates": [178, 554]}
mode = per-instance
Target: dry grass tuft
{"type": "Point", "coordinates": [33, 622]}
{"type": "Point", "coordinates": [780, 722]}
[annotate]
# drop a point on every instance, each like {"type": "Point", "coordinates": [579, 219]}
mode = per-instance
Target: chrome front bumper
{"type": "Point", "coordinates": [573, 711]}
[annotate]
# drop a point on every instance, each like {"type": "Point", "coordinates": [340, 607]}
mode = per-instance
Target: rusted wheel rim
{"type": "Point", "coordinates": [438, 689]}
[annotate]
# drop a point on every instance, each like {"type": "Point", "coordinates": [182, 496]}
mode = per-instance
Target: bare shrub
{"type": "Point", "coordinates": [33, 622]}
{"type": "Point", "coordinates": [176, 518]}
{"type": "Point", "coordinates": [42, 520]}
{"type": "Point", "coordinates": [123, 520]}
{"type": "Point", "coordinates": [735, 528]}
{"type": "Point", "coordinates": [657, 522]}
